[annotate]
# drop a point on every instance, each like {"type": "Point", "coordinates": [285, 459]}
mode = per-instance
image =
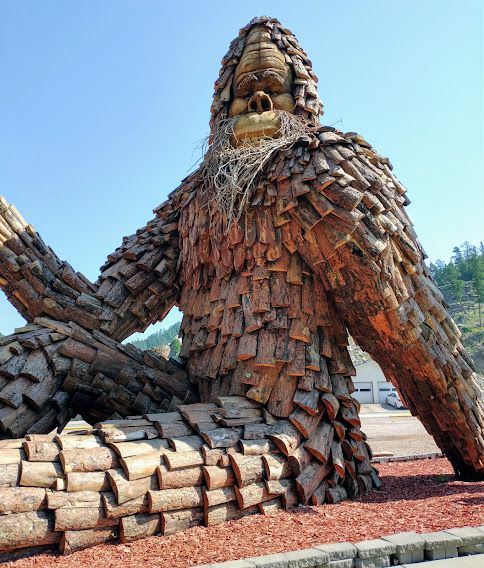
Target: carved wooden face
{"type": "Point", "coordinates": [263, 82]}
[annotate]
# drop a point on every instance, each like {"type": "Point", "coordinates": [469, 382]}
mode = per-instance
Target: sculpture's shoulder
{"type": "Point", "coordinates": [340, 177]}
{"type": "Point", "coordinates": [346, 146]}
{"type": "Point", "coordinates": [162, 230]}
{"type": "Point", "coordinates": [350, 160]}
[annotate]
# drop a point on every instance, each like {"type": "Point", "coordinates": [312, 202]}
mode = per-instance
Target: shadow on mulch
{"type": "Point", "coordinates": [411, 487]}
{"type": "Point", "coordinates": [472, 501]}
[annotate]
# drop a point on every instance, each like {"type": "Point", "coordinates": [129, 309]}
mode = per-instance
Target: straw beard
{"type": "Point", "coordinates": [231, 173]}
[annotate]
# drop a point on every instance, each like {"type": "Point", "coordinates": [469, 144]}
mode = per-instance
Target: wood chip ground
{"type": "Point", "coordinates": [422, 496]}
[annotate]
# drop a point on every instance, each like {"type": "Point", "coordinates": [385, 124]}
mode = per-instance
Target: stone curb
{"type": "Point", "coordinates": [391, 550]}
{"type": "Point", "coordinates": [410, 457]}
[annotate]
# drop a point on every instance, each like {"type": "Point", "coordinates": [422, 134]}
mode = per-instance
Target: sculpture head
{"type": "Point", "coordinates": [263, 82]}
{"type": "Point", "coordinates": [265, 73]}
{"type": "Point", "coordinates": [265, 99]}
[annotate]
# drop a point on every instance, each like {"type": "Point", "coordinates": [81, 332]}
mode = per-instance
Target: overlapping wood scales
{"type": "Point", "coordinates": [137, 285]}
{"type": "Point", "coordinates": [93, 486]}
{"type": "Point", "coordinates": [325, 243]}
{"type": "Point", "coordinates": [50, 371]}
{"type": "Point", "coordinates": [257, 322]}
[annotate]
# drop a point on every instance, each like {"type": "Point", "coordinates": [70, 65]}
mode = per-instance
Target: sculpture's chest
{"type": "Point", "coordinates": [212, 249]}
{"type": "Point", "coordinates": [249, 300]}
{"type": "Point", "coordinates": [254, 260]}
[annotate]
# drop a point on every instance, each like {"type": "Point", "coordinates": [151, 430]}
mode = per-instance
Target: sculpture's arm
{"type": "Point", "coordinates": [69, 360]}
{"type": "Point", "coordinates": [353, 230]}
{"type": "Point", "coordinates": [137, 285]}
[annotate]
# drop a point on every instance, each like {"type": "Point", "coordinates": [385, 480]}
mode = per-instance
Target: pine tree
{"type": "Point", "coordinates": [457, 256]}
{"type": "Point", "coordinates": [437, 270]}
{"type": "Point", "coordinates": [161, 337]}
{"type": "Point", "coordinates": [477, 269]}
{"type": "Point", "coordinates": [455, 281]}
{"type": "Point", "coordinates": [175, 347]}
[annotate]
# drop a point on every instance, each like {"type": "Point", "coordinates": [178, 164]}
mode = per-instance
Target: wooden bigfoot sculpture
{"type": "Point", "coordinates": [288, 237]}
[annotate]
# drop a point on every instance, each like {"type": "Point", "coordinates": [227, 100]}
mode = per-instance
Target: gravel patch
{"type": "Point", "coordinates": [399, 436]}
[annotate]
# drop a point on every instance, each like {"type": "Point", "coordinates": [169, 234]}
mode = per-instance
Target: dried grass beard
{"type": "Point", "coordinates": [231, 173]}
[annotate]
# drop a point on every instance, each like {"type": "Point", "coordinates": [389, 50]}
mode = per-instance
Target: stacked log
{"type": "Point", "coordinates": [83, 488]}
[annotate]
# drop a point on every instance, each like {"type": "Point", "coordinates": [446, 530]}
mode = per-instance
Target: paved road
{"type": "Point", "coordinates": [476, 561]}
{"type": "Point", "coordinates": [397, 434]}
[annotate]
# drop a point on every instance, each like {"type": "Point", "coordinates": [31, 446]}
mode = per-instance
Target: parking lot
{"type": "Point", "coordinates": [395, 432]}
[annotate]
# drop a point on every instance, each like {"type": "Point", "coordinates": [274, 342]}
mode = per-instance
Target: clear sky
{"type": "Point", "coordinates": [103, 104]}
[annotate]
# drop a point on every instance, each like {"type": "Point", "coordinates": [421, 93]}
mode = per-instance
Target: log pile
{"type": "Point", "coordinates": [128, 479]}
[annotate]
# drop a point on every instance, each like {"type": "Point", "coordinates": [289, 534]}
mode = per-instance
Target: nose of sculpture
{"type": "Point", "coordinates": [260, 102]}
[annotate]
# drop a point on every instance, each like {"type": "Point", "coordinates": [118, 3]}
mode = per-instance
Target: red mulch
{"type": "Point", "coordinates": [420, 496]}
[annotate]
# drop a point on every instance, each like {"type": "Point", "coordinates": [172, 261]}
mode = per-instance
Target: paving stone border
{"type": "Point", "coordinates": [392, 550]}
{"type": "Point", "coordinates": [410, 457]}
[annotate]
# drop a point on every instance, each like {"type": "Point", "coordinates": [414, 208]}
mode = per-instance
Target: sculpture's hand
{"type": "Point", "coordinates": [352, 229]}
{"type": "Point", "coordinates": [137, 285]}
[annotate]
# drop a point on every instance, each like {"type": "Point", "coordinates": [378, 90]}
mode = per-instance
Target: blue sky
{"type": "Point", "coordinates": [103, 104]}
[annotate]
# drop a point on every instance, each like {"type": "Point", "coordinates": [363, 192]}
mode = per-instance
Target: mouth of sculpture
{"type": "Point", "coordinates": [253, 127]}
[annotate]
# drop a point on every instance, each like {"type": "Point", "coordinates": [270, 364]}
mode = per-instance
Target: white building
{"type": "Point", "coordinates": [370, 383]}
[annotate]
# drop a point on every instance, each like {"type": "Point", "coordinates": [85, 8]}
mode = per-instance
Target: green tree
{"type": "Point", "coordinates": [461, 281]}
{"type": "Point", "coordinates": [437, 270]}
{"type": "Point", "coordinates": [477, 271]}
{"type": "Point", "coordinates": [457, 256]}
{"type": "Point", "coordinates": [455, 281]}
{"type": "Point", "coordinates": [175, 347]}
{"type": "Point", "coordinates": [161, 337]}
{"type": "Point", "coordinates": [469, 254]}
